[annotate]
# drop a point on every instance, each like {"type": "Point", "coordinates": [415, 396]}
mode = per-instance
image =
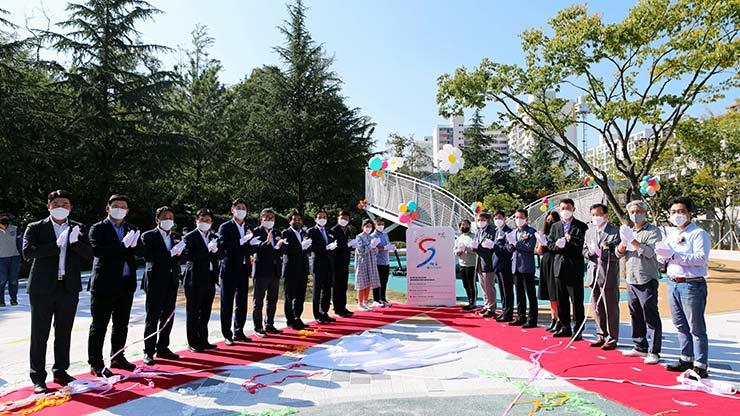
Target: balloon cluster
{"type": "Point", "coordinates": [589, 181]}
{"type": "Point", "coordinates": [407, 212]}
{"type": "Point", "coordinates": [650, 185]}
{"type": "Point", "coordinates": [377, 165]}
{"type": "Point", "coordinates": [476, 207]}
{"type": "Point", "coordinates": [546, 204]}
{"type": "Point", "coordinates": [362, 204]}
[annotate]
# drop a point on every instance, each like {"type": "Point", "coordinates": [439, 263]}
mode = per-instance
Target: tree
{"type": "Point", "coordinates": [417, 162]}
{"type": "Point", "coordinates": [540, 172]}
{"type": "Point", "coordinates": [663, 58]}
{"type": "Point", "coordinates": [478, 149]}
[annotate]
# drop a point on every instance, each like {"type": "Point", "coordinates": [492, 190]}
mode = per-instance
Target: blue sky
{"type": "Point", "coordinates": [389, 53]}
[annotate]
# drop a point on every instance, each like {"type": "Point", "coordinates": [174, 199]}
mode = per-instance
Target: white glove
{"type": "Point", "coordinates": [511, 238]}
{"type": "Point", "coordinates": [626, 235]}
{"type": "Point", "coordinates": [247, 237]}
{"type": "Point", "coordinates": [281, 242]}
{"type": "Point", "coordinates": [473, 244]}
{"type": "Point", "coordinates": [560, 242]}
{"type": "Point", "coordinates": [255, 241]}
{"type": "Point", "coordinates": [353, 243]}
{"type": "Point", "coordinates": [128, 239]}
{"type": "Point", "coordinates": [177, 249]}
{"type": "Point", "coordinates": [541, 238]}
{"type": "Point", "coordinates": [74, 235]}
{"type": "Point", "coordinates": [374, 242]}
{"type": "Point", "coordinates": [487, 244]}
{"type": "Point", "coordinates": [305, 244]}
{"type": "Point", "coordinates": [390, 247]}
{"type": "Point", "coordinates": [213, 246]}
{"type": "Point", "coordinates": [331, 246]}
{"type": "Point", "coordinates": [594, 249]}
{"type": "Point", "coordinates": [62, 239]}
{"type": "Point", "coordinates": [137, 234]}
{"type": "Point", "coordinates": [664, 250]}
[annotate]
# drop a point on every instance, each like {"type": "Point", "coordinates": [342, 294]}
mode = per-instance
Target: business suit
{"type": "Point", "coordinates": [234, 277]}
{"type": "Point", "coordinates": [485, 266]}
{"type": "Point", "coordinates": [295, 275]}
{"type": "Point", "coordinates": [567, 267]}
{"type": "Point", "coordinates": [322, 270]}
{"type": "Point", "coordinates": [502, 273]}
{"type": "Point", "coordinates": [266, 275]}
{"type": "Point", "coordinates": [199, 279]}
{"type": "Point", "coordinates": [342, 255]}
{"type": "Point", "coordinates": [522, 266]}
{"type": "Point", "coordinates": [603, 276]}
{"type": "Point", "coordinates": [50, 297]}
{"type": "Point", "coordinates": [112, 285]}
{"type": "Point", "coordinates": [161, 281]}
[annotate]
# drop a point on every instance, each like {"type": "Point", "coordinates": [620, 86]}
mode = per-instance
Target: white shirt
{"type": "Point", "coordinates": [58, 230]}
{"type": "Point", "coordinates": [206, 240]}
{"type": "Point", "coordinates": [297, 234]}
{"type": "Point", "coordinates": [240, 227]}
{"type": "Point", "coordinates": [166, 238]}
{"type": "Point", "coordinates": [692, 245]}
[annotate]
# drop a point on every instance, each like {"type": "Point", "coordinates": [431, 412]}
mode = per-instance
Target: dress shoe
{"type": "Point", "coordinates": [556, 328]}
{"type": "Point", "coordinates": [167, 355]}
{"type": "Point", "coordinates": [680, 366]}
{"type": "Point", "coordinates": [101, 372]}
{"type": "Point", "coordinates": [517, 322]}
{"type": "Point", "coordinates": [229, 342]}
{"type": "Point", "coordinates": [39, 387]}
{"type": "Point", "coordinates": [196, 349]}
{"type": "Point", "coordinates": [122, 363]}
{"type": "Point", "coordinates": [530, 325]}
{"type": "Point", "coordinates": [149, 359]}
{"type": "Point", "coordinates": [303, 324]}
{"type": "Point", "coordinates": [552, 325]}
{"type": "Point", "coordinates": [296, 327]}
{"type": "Point", "coordinates": [270, 329]}
{"type": "Point", "coordinates": [502, 318]}
{"type": "Point", "coordinates": [330, 319]}
{"type": "Point", "coordinates": [242, 338]}
{"type": "Point", "coordinates": [14, 302]}
{"type": "Point", "coordinates": [209, 346]}
{"type": "Point", "coordinates": [701, 372]}
{"type": "Point", "coordinates": [323, 320]}
{"type": "Point", "coordinates": [345, 314]}
{"type": "Point", "coordinates": [63, 378]}
{"type": "Point", "coordinates": [609, 346]}
{"type": "Point", "coordinates": [489, 314]}
{"type": "Point", "coordinates": [563, 333]}
{"type": "Point", "coordinates": [598, 343]}
{"type": "Point", "coordinates": [260, 333]}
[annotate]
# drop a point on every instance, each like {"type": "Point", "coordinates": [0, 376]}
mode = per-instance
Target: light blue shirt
{"type": "Point", "coordinates": [120, 230]}
{"type": "Point", "coordinates": [692, 247]}
{"type": "Point", "coordinates": [382, 257]}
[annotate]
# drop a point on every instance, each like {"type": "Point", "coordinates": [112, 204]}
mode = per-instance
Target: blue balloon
{"type": "Point", "coordinates": [411, 206]}
{"type": "Point", "coordinates": [375, 163]}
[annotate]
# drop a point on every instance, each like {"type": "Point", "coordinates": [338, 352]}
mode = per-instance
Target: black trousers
{"type": "Point", "coordinates": [265, 286]}
{"type": "Point", "coordinates": [505, 282]}
{"type": "Point", "coordinates": [198, 305]}
{"type": "Point", "coordinates": [159, 306]}
{"type": "Point", "coordinates": [526, 293]}
{"type": "Point", "coordinates": [295, 295]}
{"type": "Point", "coordinates": [379, 292]}
{"type": "Point", "coordinates": [322, 285]}
{"type": "Point", "coordinates": [647, 329]}
{"type": "Point", "coordinates": [468, 278]}
{"type": "Point", "coordinates": [105, 308]}
{"type": "Point", "coordinates": [61, 306]}
{"type": "Point", "coordinates": [234, 288]}
{"type": "Point", "coordinates": [341, 281]}
{"type": "Point", "coordinates": [570, 291]}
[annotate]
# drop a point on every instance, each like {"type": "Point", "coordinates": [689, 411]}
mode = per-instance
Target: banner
{"type": "Point", "coordinates": [430, 266]}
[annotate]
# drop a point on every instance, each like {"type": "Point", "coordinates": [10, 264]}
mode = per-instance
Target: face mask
{"type": "Point", "coordinates": [166, 224]}
{"type": "Point", "coordinates": [367, 230]}
{"type": "Point", "coordinates": [297, 225]}
{"type": "Point", "coordinates": [597, 220]}
{"type": "Point", "coordinates": [4, 221]}
{"type": "Point", "coordinates": [321, 222]}
{"type": "Point", "coordinates": [343, 222]}
{"type": "Point", "coordinates": [566, 213]}
{"type": "Point", "coordinates": [268, 224]}
{"type": "Point", "coordinates": [638, 218]}
{"type": "Point", "coordinates": [240, 214]}
{"type": "Point", "coordinates": [465, 229]}
{"type": "Point", "coordinates": [380, 228]}
{"type": "Point", "coordinates": [60, 214]}
{"type": "Point", "coordinates": [679, 219]}
{"type": "Point", "coordinates": [204, 226]}
{"type": "Point", "coordinates": [118, 213]}
{"type": "Point", "coordinates": [499, 223]}
{"type": "Point", "coordinates": [481, 224]}
{"type": "Point", "coordinates": [520, 222]}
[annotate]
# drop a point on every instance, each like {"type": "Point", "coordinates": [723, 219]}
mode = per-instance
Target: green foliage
{"type": "Point", "coordinates": [417, 162]}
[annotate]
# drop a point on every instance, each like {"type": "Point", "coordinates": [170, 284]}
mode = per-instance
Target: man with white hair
{"type": "Point", "coordinates": [638, 247]}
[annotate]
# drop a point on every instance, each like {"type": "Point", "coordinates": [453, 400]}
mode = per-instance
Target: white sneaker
{"type": "Point", "coordinates": [376, 305]}
{"type": "Point", "coordinates": [386, 304]}
{"type": "Point", "coordinates": [634, 353]}
{"type": "Point", "coordinates": [652, 359]}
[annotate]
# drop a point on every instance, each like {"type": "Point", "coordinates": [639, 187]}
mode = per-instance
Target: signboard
{"type": "Point", "coordinates": [430, 266]}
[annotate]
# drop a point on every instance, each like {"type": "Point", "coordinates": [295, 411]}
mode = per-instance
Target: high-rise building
{"type": "Point", "coordinates": [454, 134]}
{"type": "Point", "coordinates": [601, 157]}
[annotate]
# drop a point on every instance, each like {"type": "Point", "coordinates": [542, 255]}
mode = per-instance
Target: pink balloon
{"type": "Point", "coordinates": [403, 218]}
{"type": "Point", "coordinates": [385, 164]}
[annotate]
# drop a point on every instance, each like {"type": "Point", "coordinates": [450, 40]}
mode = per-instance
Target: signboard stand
{"type": "Point", "coordinates": [430, 266]}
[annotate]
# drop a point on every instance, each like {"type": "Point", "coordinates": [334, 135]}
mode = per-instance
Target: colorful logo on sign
{"type": "Point", "coordinates": [426, 246]}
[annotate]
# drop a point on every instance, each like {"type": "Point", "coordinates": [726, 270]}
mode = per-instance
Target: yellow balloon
{"type": "Point", "coordinates": [543, 208]}
{"type": "Point", "coordinates": [403, 207]}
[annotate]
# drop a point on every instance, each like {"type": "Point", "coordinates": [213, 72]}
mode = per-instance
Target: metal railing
{"type": "Point", "coordinates": [583, 198]}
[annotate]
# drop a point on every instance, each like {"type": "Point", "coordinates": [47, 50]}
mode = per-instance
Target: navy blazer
{"type": "Point", "coordinates": [322, 262]}
{"type": "Point", "coordinates": [267, 260]}
{"type": "Point", "coordinates": [235, 262]}
{"type": "Point", "coordinates": [162, 271]}
{"type": "Point", "coordinates": [110, 255]}
{"type": "Point", "coordinates": [343, 253]}
{"type": "Point", "coordinates": [295, 259]}
{"type": "Point", "coordinates": [522, 259]}
{"type": "Point", "coordinates": [501, 255]}
{"type": "Point", "coordinates": [567, 262]}
{"type": "Point", "coordinates": [201, 266]}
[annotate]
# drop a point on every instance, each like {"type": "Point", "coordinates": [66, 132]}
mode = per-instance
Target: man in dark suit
{"type": "Point", "coordinates": [342, 255]}
{"type": "Point", "coordinates": [112, 285]}
{"type": "Point", "coordinates": [482, 245]}
{"type": "Point", "coordinates": [295, 270]}
{"type": "Point", "coordinates": [603, 276]}
{"type": "Point", "coordinates": [57, 246]}
{"type": "Point", "coordinates": [266, 273]}
{"type": "Point", "coordinates": [502, 267]}
{"type": "Point", "coordinates": [201, 256]}
{"type": "Point", "coordinates": [234, 239]}
{"type": "Point", "coordinates": [565, 242]}
{"type": "Point", "coordinates": [521, 243]}
{"type": "Point", "coordinates": [322, 244]}
{"type": "Point", "coordinates": [161, 249]}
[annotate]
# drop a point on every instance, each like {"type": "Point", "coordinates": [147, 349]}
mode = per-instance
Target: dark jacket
{"type": "Point", "coordinates": [322, 261]}
{"type": "Point", "coordinates": [485, 255]}
{"type": "Point", "coordinates": [267, 259]}
{"type": "Point", "coordinates": [343, 253]}
{"type": "Point", "coordinates": [110, 256]}
{"type": "Point", "coordinates": [40, 247]}
{"type": "Point", "coordinates": [201, 266]}
{"type": "Point", "coordinates": [295, 259]}
{"type": "Point", "coordinates": [234, 255]}
{"type": "Point", "coordinates": [162, 271]}
{"type": "Point", "coordinates": [501, 254]}
{"type": "Point", "coordinates": [567, 262]}
{"type": "Point", "coordinates": [522, 259]}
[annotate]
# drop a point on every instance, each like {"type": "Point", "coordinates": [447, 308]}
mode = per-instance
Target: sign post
{"type": "Point", "coordinates": [430, 266]}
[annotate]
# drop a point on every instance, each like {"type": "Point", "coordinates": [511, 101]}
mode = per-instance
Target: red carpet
{"type": "Point", "coordinates": [584, 361]}
{"type": "Point", "coordinates": [258, 350]}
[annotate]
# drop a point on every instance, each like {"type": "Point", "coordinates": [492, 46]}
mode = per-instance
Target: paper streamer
{"type": "Point", "coordinates": [253, 387]}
